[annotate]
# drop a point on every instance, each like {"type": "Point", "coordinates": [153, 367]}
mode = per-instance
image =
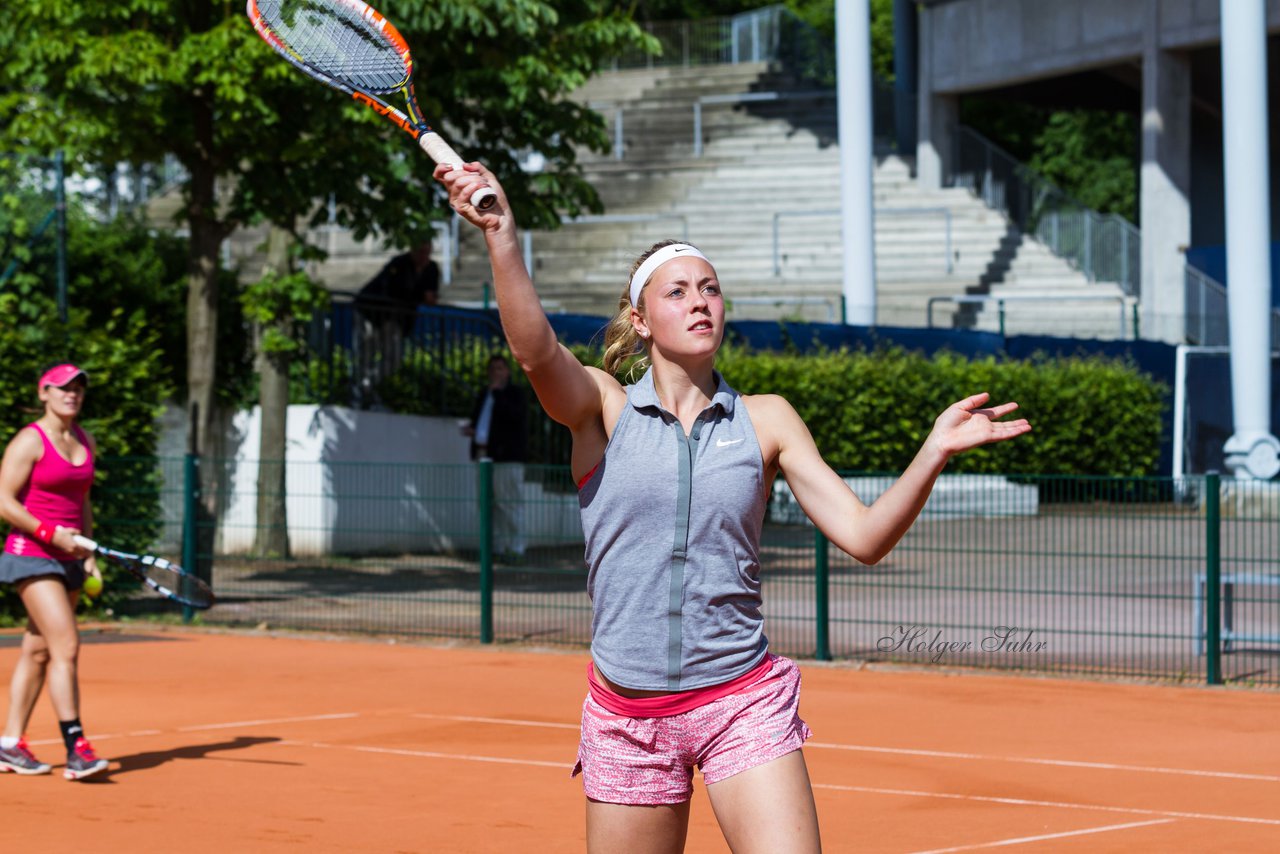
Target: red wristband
{"type": "Point", "coordinates": [44, 533]}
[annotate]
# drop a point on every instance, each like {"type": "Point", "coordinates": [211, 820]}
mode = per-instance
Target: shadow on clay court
{"type": "Point", "coordinates": [151, 759]}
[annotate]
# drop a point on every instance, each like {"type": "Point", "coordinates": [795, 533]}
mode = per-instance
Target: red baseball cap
{"type": "Point", "coordinates": [61, 375]}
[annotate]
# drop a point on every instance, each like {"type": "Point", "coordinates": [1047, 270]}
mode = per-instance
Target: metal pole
{"type": "Point", "coordinates": [1212, 579]}
{"type": "Point", "coordinates": [1088, 252]}
{"type": "Point", "coordinates": [1252, 451]}
{"type": "Point", "coordinates": [697, 128]}
{"type": "Point", "coordinates": [1179, 414]}
{"type": "Point", "coordinates": [485, 472]}
{"type": "Point", "coordinates": [950, 268]}
{"type": "Point", "coordinates": [854, 125]}
{"type": "Point", "coordinates": [821, 596]}
{"type": "Point", "coordinates": [1124, 258]}
{"type": "Point", "coordinates": [617, 134]}
{"type": "Point", "coordinates": [191, 506]}
{"type": "Point", "coordinates": [777, 259]}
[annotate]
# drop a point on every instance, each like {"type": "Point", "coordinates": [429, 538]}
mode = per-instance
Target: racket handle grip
{"type": "Point", "coordinates": [85, 543]}
{"type": "Point", "coordinates": [434, 145]}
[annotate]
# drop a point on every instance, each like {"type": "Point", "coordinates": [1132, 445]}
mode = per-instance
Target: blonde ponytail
{"type": "Point", "coordinates": [621, 341]}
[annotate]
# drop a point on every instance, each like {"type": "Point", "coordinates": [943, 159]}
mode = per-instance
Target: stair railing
{"type": "Point", "coordinates": [1104, 247]}
{"type": "Point", "coordinates": [945, 213]}
{"type": "Point", "coordinates": [1207, 316]}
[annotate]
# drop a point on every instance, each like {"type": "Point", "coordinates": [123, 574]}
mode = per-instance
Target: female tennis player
{"type": "Point", "coordinates": [45, 477]}
{"type": "Point", "coordinates": [673, 474]}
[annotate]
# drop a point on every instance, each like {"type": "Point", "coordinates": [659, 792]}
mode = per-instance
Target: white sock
{"type": "Point", "coordinates": [8, 742]}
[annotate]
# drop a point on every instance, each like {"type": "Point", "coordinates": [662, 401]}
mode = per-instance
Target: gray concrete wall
{"type": "Point", "coordinates": [980, 44]}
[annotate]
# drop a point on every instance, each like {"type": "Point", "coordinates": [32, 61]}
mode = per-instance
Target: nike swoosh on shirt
{"type": "Point", "coordinates": [720, 443]}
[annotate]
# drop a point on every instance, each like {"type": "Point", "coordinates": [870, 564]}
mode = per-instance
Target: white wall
{"type": "Point", "coordinates": [362, 482]}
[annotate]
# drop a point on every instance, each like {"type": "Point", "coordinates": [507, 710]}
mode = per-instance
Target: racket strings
{"type": "Point", "coordinates": [337, 40]}
{"type": "Point", "coordinates": [170, 579]}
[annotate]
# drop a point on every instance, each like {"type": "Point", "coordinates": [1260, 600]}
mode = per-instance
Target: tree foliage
{"type": "Point", "coordinates": [111, 331]}
{"type": "Point", "coordinates": [1090, 154]}
{"type": "Point", "coordinates": [131, 81]}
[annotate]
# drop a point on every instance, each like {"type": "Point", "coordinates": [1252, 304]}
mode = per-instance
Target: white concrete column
{"type": "Point", "coordinates": [857, 223]}
{"type": "Point", "coordinates": [1165, 185]}
{"type": "Point", "coordinates": [1251, 452]}
{"type": "Point", "coordinates": [937, 116]}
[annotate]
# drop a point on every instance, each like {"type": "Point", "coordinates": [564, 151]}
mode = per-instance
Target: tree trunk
{"type": "Point", "coordinates": [273, 401]}
{"type": "Point", "coordinates": [207, 233]}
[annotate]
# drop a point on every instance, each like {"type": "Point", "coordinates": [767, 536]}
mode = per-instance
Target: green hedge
{"type": "Point", "coordinates": [870, 411]}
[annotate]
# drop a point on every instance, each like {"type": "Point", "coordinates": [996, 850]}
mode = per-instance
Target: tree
{"type": "Point", "coordinates": [131, 81]}
{"type": "Point", "coordinates": [272, 303]}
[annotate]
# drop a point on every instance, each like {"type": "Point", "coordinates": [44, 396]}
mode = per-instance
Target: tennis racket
{"type": "Point", "coordinates": [167, 579]}
{"type": "Point", "coordinates": [350, 46]}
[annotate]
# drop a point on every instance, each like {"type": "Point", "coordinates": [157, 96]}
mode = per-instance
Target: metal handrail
{"type": "Point", "coordinates": [1205, 309]}
{"type": "Point", "coordinates": [618, 142]}
{"type": "Point", "coordinates": [788, 300]}
{"type": "Point", "coordinates": [777, 231]}
{"type": "Point", "coordinates": [1104, 247]}
{"type": "Point", "coordinates": [769, 34]}
{"type": "Point", "coordinates": [526, 238]}
{"type": "Point", "coordinates": [1001, 300]}
{"type": "Point", "coordinates": [747, 97]}
{"type": "Point", "coordinates": [1207, 317]}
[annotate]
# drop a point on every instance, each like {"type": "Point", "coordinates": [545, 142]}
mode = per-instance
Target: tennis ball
{"type": "Point", "coordinates": [92, 586]}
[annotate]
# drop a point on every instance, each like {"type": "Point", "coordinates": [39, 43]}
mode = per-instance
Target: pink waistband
{"type": "Point", "coordinates": [677, 703]}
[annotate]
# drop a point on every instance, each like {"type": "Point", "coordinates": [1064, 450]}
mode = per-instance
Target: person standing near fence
{"type": "Point", "coordinates": [45, 477]}
{"type": "Point", "coordinates": [673, 475]}
{"type": "Point", "coordinates": [499, 432]}
{"type": "Point", "coordinates": [386, 308]}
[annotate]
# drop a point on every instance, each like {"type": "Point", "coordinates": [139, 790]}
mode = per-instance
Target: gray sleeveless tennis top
{"type": "Point", "coordinates": [672, 526]}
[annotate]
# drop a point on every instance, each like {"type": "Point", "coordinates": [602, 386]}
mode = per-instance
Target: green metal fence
{"type": "Point", "coordinates": [1144, 578]}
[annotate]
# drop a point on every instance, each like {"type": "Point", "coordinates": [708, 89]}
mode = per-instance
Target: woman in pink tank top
{"type": "Point", "coordinates": [45, 477]}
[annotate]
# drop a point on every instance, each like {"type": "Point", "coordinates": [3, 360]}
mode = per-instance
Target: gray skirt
{"type": "Point", "coordinates": [15, 568]}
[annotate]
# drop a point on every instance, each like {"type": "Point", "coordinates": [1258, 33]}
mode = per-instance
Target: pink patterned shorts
{"type": "Point", "coordinates": [650, 761]}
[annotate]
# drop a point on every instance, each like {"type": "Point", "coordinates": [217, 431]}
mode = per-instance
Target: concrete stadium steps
{"type": "Point", "coordinates": [1047, 296]}
{"type": "Point", "coordinates": [761, 161]}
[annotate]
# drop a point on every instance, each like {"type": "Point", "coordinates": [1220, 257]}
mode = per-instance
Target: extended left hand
{"type": "Point", "coordinates": [967, 424]}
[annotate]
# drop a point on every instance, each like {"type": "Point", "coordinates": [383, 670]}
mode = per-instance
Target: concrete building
{"type": "Point", "coordinates": [1159, 59]}
{"type": "Point", "coordinates": [1196, 73]}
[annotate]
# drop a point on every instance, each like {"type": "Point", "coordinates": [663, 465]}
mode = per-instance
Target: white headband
{"type": "Point", "coordinates": [656, 260]}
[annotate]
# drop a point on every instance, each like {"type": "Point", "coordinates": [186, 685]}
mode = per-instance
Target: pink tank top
{"type": "Point", "coordinates": [55, 494]}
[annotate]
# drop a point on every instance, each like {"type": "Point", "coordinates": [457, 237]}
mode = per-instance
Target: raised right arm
{"type": "Point", "coordinates": [571, 393]}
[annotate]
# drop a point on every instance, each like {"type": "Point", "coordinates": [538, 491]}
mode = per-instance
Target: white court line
{"type": "Point", "coordinates": [1022, 802]}
{"type": "Point", "coordinates": [508, 760]}
{"type": "Point", "coordinates": [146, 732]}
{"type": "Point", "coordinates": [1065, 763]}
{"type": "Point", "coordinates": [334, 717]}
{"type": "Point", "coordinates": [1025, 839]}
{"type": "Point", "coordinates": [509, 721]}
{"type": "Point", "coordinates": [430, 754]}
{"type": "Point", "coordinates": [933, 754]}
{"type": "Point", "coordinates": [102, 737]}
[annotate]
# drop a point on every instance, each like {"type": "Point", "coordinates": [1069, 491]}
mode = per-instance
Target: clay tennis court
{"type": "Point", "coordinates": [258, 743]}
